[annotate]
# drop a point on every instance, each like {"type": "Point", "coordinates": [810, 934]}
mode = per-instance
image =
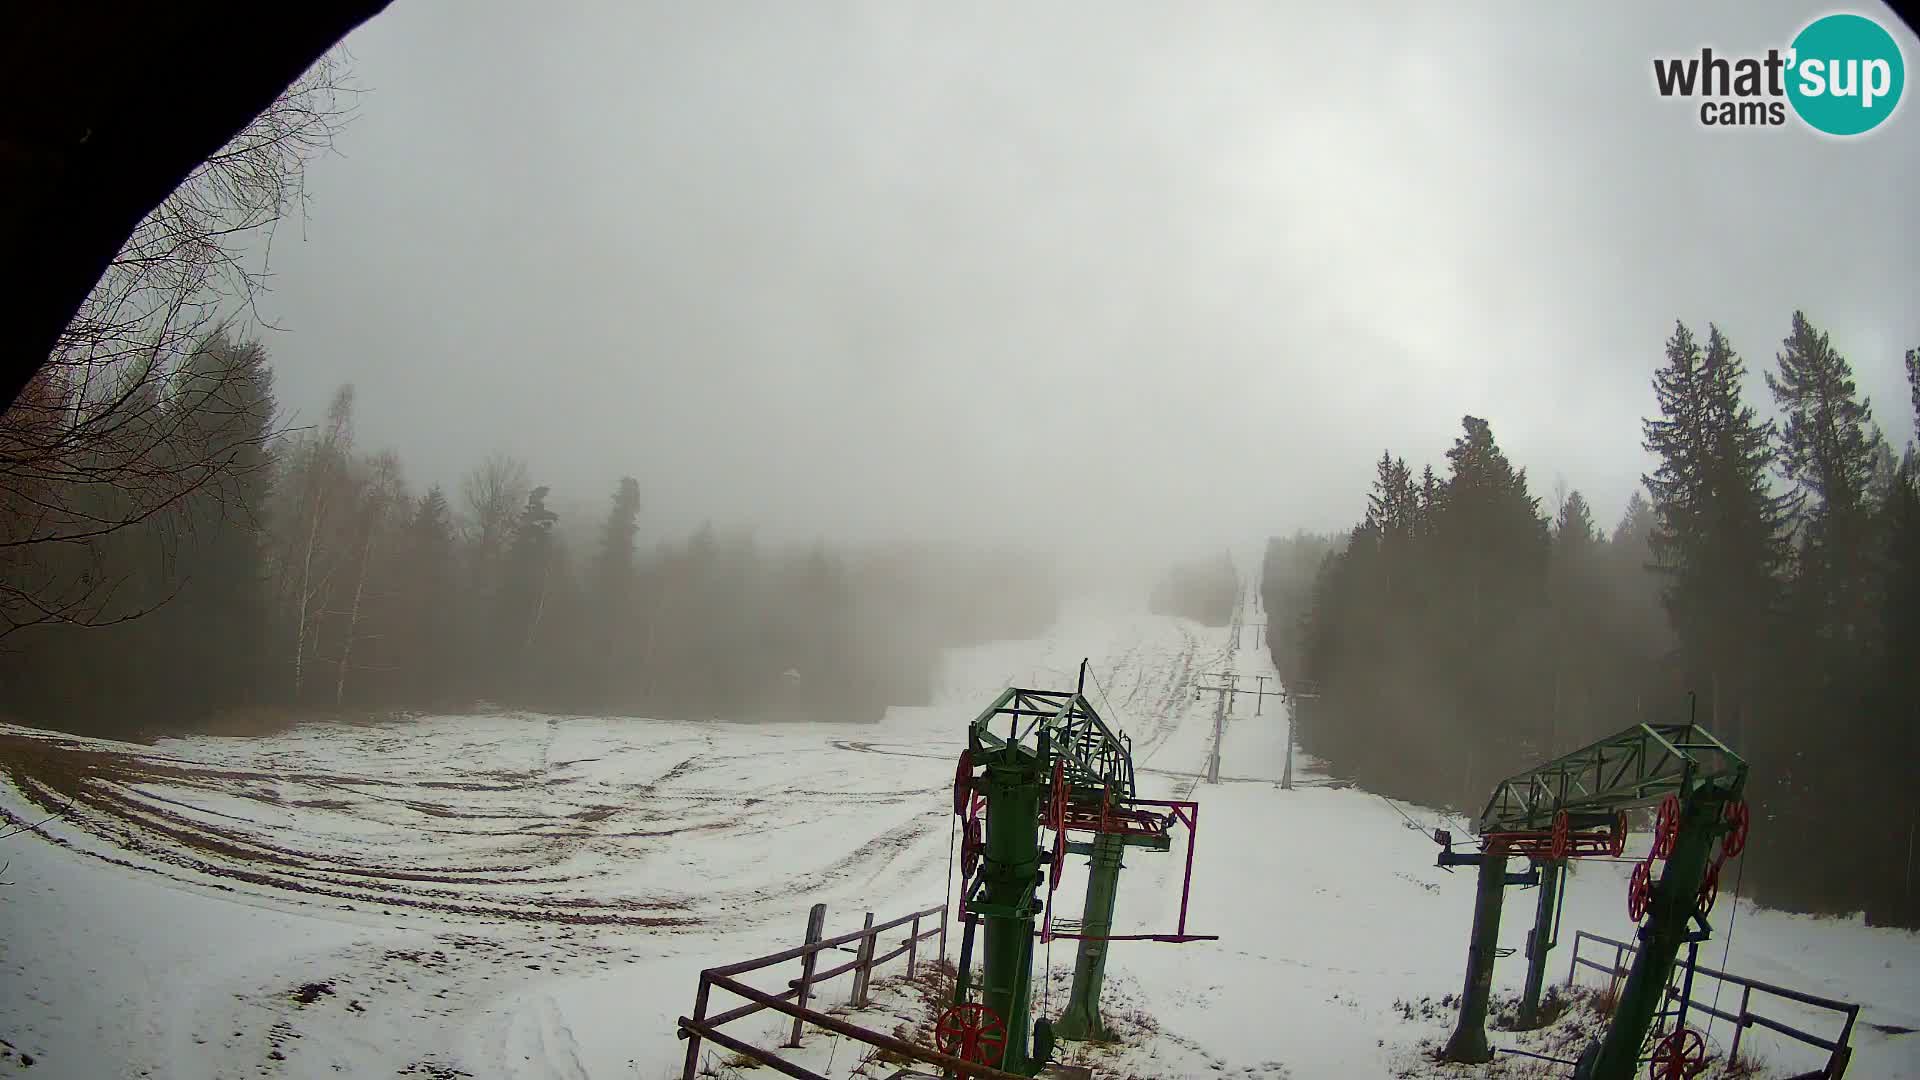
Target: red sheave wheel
{"type": "Point", "coordinates": [1640, 890]}
{"type": "Point", "coordinates": [1059, 861]}
{"type": "Point", "coordinates": [962, 781]}
{"type": "Point", "coordinates": [1735, 841]}
{"type": "Point", "coordinates": [971, 848]}
{"type": "Point", "coordinates": [1666, 826]}
{"type": "Point", "coordinates": [1562, 836]}
{"type": "Point", "coordinates": [1680, 1055]}
{"type": "Point", "coordinates": [972, 1032]}
{"type": "Point", "coordinates": [1617, 843]}
{"type": "Point", "coordinates": [1709, 890]}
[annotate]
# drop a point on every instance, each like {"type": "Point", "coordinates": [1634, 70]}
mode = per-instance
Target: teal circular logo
{"type": "Point", "coordinates": [1846, 74]}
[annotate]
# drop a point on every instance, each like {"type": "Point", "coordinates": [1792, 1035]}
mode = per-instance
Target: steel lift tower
{"type": "Point", "coordinates": [1044, 759]}
{"type": "Point", "coordinates": [1576, 806]}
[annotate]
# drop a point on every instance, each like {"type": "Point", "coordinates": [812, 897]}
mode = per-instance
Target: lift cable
{"type": "Point", "coordinates": [1046, 988]}
{"type": "Point", "coordinates": [1412, 824]}
{"type": "Point", "coordinates": [1104, 699]}
{"type": "Point", "coordinates": [953, 830]}
{"type": "Point", "coordinates": [1727, 949]}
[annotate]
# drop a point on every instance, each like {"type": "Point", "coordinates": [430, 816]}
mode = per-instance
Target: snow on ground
{"type": "Point", "coordinates": [534, 896]}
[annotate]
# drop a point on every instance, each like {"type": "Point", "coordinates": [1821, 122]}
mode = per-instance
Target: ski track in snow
{"type": "Point", "coordinates": [533, 896]}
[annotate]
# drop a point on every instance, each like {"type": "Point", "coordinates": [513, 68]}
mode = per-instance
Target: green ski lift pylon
{"type": "Point", "coordinates": [1557, 811]}
{"type": "Point", "coordinates": [1053, 762]}
{"type": "Point", "coordinates": [1081, 1019]}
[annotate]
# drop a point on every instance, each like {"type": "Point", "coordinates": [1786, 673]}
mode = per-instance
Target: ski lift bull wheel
{"type": "Point", "coordinates": [1617, 843]}
{"type": "Point", "coordinates": [1679, 1056]}
{"type": "Point", "coordinates": [1736, 839]}
{"type": "Point", "coordinates": [1640, 890]}
{"type": "Point", "coordinates": [1709, 890]}
{"type": "Point", "coordinates": [963, 782]}
{"type": "Point", "coordinates": [970, 848]}
{"type": "Point", "coordinates": [971, 1032]}
{"type": "Point", "coordinates": [1666, 826]}
{"type": "Point", "coordinates": [1562, 837]}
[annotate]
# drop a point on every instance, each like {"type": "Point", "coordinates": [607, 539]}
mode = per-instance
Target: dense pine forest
{"type": "Point", "coordinates": [212, 568]}
{"type": "Point", "coordinates": [1767, 580]}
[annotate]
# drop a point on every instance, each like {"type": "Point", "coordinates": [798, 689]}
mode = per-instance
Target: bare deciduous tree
{"type": "Point", "coordinates": [316, 489]}
{"type": "Point", "coordinates": [109, 434]}
{"type": "Point", "coordinates": [382, 511]}
{"type": "Point", "coordinates": [494, 493]}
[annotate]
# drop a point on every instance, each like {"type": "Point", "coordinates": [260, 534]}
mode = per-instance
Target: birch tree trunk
{"type": "Point", "coordinates": [306, 591]}
{"type": "Point", "coordinates": [353, 621]}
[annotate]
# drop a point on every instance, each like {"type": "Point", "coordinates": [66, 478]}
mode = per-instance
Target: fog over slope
{"type": "Point", "coordinates": [877, 269]}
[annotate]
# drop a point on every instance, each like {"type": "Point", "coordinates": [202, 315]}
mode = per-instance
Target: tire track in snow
{"type": "Point", "coordinates": [107, 796]}
{"type": "Point", "coordinates": [1179, 677]}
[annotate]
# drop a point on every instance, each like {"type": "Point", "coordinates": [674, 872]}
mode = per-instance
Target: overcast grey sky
{"type": "Point", "coordinates": [884, 267]}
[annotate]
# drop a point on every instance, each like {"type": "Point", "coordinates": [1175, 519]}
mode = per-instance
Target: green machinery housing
{"type": "Point", "coordinates": [1576, 806]}
{"type": "Point", "coordinates": [1043, 759]}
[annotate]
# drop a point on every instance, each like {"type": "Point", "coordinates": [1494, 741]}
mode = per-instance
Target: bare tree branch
{"type": "Point", "coordinates": [122, 428]}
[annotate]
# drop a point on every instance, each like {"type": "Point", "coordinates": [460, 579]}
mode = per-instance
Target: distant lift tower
{"type": "Point", "coordinates": [1223, 707]}
{"type": "Point", "coordinates": [1293, 698]}
{"type": "Point", "coordinates": [1044, 759]}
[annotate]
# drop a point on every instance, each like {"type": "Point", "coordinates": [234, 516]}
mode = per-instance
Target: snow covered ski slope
{"type": "Point", "coordinates": [533, 896]}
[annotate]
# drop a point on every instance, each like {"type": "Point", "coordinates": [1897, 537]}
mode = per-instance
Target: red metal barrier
{"type": "Point", "coordinates": [701, 1027]}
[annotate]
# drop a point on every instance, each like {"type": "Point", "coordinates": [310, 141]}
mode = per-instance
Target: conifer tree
{"type": "Point", "coordinates": [1490, 523]}
{"type": "Point", "coordinates": [1900, 599]}
{"type": "Point", "coordinates": [1493, 542]}
{"type": "Point", "coordinates": [1431, 502]}
{"type": "Point", "coordinates": [1913, 387]}
{"type": "Point", "coordinates": [1286, 593]}
{"type": "Point", "coordinates": [613, 570]}
{"type": "Point", "coordinates": [523, 593]}
{"type": "Point", "coordinates": [1718, 535]}
{"type": "Point", "coordinates": [1885, 762]}
{"type": "Point", "coordinates": [1635, 631]}
{"type": "Point", "coordinates": [431, 639]}
{"type": "Point", "coordinates": [1688, 593]}
{"type": "Point", "coordinates": [1574, 524]}
{"type": "Point", "coordinates": [613, 596]}
{"type": "Point", "coordinates": [1827, 449]}
{"type": "Point", "coordinates": [1575, 587]}
{"type": "Point", "coordinates": [1636, 524]}
{"type": "Point", "coordinates": [224, 398]}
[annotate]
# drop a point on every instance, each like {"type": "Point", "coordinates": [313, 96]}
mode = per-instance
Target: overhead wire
{"type": "Point", "coordinates": [1726, 950]}
{"type": "Point", "coordinates": [953, 830]}
{"type": "Point", "coordinates": [1046, 990]}
{"type": "Point", "coordinates": [1104, 699]}
{"type": "Point", "coordinates": [1411, 824]}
